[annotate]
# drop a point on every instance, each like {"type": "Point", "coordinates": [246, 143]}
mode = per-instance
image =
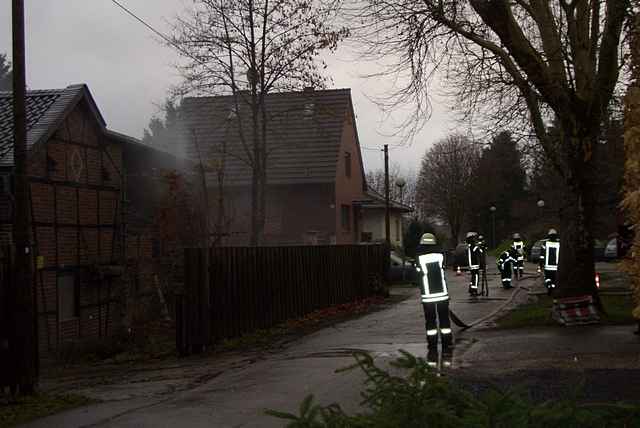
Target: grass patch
{"type": "Point", "coordinates": [617, 309]}
{"type": "Point", "coordinates": [533, 314]}
{"type": "Point", "coordinates": [38, 406]}
{"type": "Point", "coordinates": [410, 394]}
{"type": "Point", "coordinates": [538, 313]}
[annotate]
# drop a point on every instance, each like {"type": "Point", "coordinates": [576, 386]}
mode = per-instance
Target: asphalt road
{"type": "Point", "coordinates": [238, 395]}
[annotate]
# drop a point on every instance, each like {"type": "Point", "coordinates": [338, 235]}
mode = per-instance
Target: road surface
{"type": "Point", "coordinates": [237, 395]}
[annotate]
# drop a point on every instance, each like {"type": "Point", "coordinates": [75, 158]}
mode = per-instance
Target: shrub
{"type": "Point", "coordinates": [421, 398]}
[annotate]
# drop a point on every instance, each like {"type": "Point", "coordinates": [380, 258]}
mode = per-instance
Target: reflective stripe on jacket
{"type": "Point", "coordinates": [433, 284]}
{"type": "Point", "coordinates": [551, 255]}
{"type": "Point", "coordinates": [519, 247]}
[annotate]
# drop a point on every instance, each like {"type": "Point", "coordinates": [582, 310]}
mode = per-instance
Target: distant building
{"type": "Point", "coordinates": [373, 219]}
{"type": "Point", "coordinates": [314, 168]}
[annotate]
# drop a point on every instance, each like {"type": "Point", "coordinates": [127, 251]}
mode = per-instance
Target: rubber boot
{"type": "Point", "coordinates": [432, 343]}
{"type": "Point", "coordinates": [447, 341]}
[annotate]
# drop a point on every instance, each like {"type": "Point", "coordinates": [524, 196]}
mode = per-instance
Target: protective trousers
{"type": "Point", "coordinates": [436, 320]}
{"type": "Point", "coordinates": [520, 267]}
{"type": "Point", "coordinates": [506, 273]}
{"type": "Point", "coordinates": [550, 280]}
{"type": "Point", "coordinates": [475, 278]}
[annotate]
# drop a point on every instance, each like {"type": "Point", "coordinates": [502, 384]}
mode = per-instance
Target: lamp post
{"type": "Point", "coordinates": [492, 208]}
{"type": "Point", "coordinates": [540, 205]}
{"type": "Point", "coordinates": [400, 183]}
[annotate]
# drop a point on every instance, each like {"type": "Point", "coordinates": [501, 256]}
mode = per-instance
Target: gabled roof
{"type": "Point", "coordinates": [377, 200]}
{"type": "Point", "coordinates": [46, 110]}
{"type": "Point", "coordinates": [304, 134]}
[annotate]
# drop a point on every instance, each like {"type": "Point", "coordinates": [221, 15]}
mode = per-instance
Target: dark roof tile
{"type": "Point", "coordinates": [304, 132]}
{"type": "Point", "coordinates": [46, 109]}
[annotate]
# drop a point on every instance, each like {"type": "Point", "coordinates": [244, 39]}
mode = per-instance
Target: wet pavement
{"type": "Point", "coordinates": [234, 392]}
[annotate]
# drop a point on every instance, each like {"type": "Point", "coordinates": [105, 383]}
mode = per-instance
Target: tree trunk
{"type": "Point", "coordinates": [576, 270]}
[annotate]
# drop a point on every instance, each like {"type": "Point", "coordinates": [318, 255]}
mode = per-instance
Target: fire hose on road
{"type": "Point", "coordinates": [464, 326]}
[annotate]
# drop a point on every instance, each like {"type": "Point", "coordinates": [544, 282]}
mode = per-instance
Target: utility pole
{"type": "Point", "coordinates": [387, 226]}
{"type": "Point", "coordinates": [23, 344]}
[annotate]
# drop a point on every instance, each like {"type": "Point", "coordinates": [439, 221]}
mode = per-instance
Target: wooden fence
{"type": "Point", "coordinates": [249, 288]}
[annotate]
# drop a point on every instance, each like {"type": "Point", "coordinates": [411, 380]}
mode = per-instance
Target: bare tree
{"type": "Point", "coordinates": [248, 49]}
{"type": "Point", "coordinates": [524, 62]}
{"type": "Point", "coordinates": [446, 181]}
{"type": "Point", "coordinates": [405, 194]}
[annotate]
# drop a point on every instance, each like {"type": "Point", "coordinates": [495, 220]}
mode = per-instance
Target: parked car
{"type": "Point", "coordinates": [460, 257]}
{"type": "Point", "coordinates": [396, 270]}
{"type": "Point", "coordinates": [611, 249]}
{"type": "Point", "coordinates": [536, 251]}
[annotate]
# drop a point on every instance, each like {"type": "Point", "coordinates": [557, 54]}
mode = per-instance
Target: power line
{"type": "Point", "coordinates": [161, 35]}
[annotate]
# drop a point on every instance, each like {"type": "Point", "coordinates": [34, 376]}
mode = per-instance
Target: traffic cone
{"type": "Point", "coordinates": [458, 271]}
{"type": "Point", "coordinates": [597, 280]}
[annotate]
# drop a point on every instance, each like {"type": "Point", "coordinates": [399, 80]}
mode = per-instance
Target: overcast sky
{"type": "Point", "coordinates": [129, 72]}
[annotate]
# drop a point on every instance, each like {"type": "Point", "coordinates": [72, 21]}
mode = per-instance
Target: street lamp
{"type": "Point", "coordinates": [400, 183]}
{"type": "Point", "coordinates": [540, 205]}
{"type": "Point", "coordinates": [492, 208]}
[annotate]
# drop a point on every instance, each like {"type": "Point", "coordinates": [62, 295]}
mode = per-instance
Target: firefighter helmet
{"type": "Point", "coordinates": [516, 236]}
{"type": "Point", "coordinates": [471, 234]}
{"type": "Point", "coordinates": [428, 239]}
{"type": "Point", "coordinates": [552, 232]}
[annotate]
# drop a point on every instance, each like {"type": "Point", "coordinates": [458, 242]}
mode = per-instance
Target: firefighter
{"type": "Point", "coordinates": [474, 257]}
{"type": "Point", "coordinates": [549, 258]}
{"type": "Point", "coordinates": [483, 246]}
{"type": "Point", "coordinates": [518, 246]}
{"type": "Point", "coordinates": [506, 264]}
{"type": "Point", "coordinates": [435, 296]}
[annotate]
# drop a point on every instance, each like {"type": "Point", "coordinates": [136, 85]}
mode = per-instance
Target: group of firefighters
{"type": "Point", "coordinates": [433, 286]}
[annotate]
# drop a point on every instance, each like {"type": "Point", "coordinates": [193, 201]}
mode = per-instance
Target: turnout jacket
{"type": "Point", "coordinates": [518, 246]}
{"type": "Point", "coordinates": [475, 256]}
{"type": "Point", "coordinates": [550, 255]}
{"type": "Point", "coordinates": [505, 257]}
{"type": "Point", "coordinates": [433, 286]}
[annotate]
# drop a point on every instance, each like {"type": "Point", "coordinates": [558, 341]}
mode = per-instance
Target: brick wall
{"type": "Point", "coordinates": [75, 189]}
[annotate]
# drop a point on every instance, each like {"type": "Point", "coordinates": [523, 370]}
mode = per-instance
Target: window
{"type": "Point", "coordinates": [366, 237]}
{"type": "Point", "coordinates": [347, 164]}
{"type": "Point", "coordinates": [67, 297]}
{"type": "Point", "coordinates": [308, 110]}
{"type": "Point", "coordinates": [346, 217]}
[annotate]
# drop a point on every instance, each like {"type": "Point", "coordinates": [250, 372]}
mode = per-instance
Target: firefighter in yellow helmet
{"type": "Point", "coordinates": [475, 257]}
{"type": "Point", "coordinates": [434, 292]}
{"type": "Point", "coordinates": [549, 258]}
{"type": "Point", "coordinates": [518, 247]}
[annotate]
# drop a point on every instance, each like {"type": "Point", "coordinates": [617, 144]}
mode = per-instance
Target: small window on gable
{"type": "Point", "coordinates": [347, 164]}
{"type": "Point", "coordinates": [233, 113]}
{"type": "Point", "coordinates": [308, 110]}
